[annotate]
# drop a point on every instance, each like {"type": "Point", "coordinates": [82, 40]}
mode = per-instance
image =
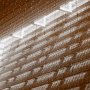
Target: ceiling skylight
{"type": "Point", "coordinates": [30, 28]}
{"type": "Point", "coordinates": [41, 22]}
{"type": "Point", "coordinates": [6, 41]}
{"type": "Point", "coordinates": [69, 6]}
{"type": "Point", "coordinates": [18, 34]}
{"type": "Point", "coordinates": [72, 5]}
{"type": "Point", "coordinates": [26, 30]}
{"type": "Point", "coordinates": [27, 27]}
{"type": "Point", "coordinates": [49, 18]}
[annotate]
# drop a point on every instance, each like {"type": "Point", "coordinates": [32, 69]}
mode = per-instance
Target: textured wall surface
{"type": "Point", "coordinates": [55, 58]}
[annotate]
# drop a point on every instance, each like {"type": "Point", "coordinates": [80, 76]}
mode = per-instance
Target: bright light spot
{"type": "Point", "coordinates": [41, 22]}
{"type": "Point", "coordinates": [72, 5]}
{"type": "Point", "coordinates": [69, 6]}
{"type": "Point", "coordinates": [26, 30]}
{"type": "Point", "coordinates": [54, 15]}
{"type": "Point", "coordinates": [1, 51]}
{"type": "Point", "coordinates": [6, 41]}
{"type": "Point", "coordinates": [29, 29]}
{"type": "Point", "coordinates": [2, 45]}
{"type": "Point", "coordinates": [0, 58]}
{"type": "Point", "coordinates": [49, 18]}
{"type": "Point", "coordinates": [18, 34]}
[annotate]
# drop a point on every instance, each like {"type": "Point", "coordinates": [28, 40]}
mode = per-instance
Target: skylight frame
{"type": "Point", "coordinates": [49, 18]}
{"type": "Point", "coordinates": [72, 5]}
{"type": "Point", "coordinates": [18, 34]}
{"type": "Point", "coordinates": [45, 20]}
{"type": "Point", "coordinates": [8, 40]}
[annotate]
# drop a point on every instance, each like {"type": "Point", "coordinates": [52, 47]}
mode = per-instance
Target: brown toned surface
{"type": "Point", "coordinates": [57, 58]}
{"type": "Point", "coordinates": [15, 14]}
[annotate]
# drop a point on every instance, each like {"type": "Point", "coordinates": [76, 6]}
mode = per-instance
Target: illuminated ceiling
{"type": "Point", "coordinates": [15, 14]}
{"type": "Point", "coordinates": [44, 19]}
{"type": "Point", "coordinates": [11, 27]}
